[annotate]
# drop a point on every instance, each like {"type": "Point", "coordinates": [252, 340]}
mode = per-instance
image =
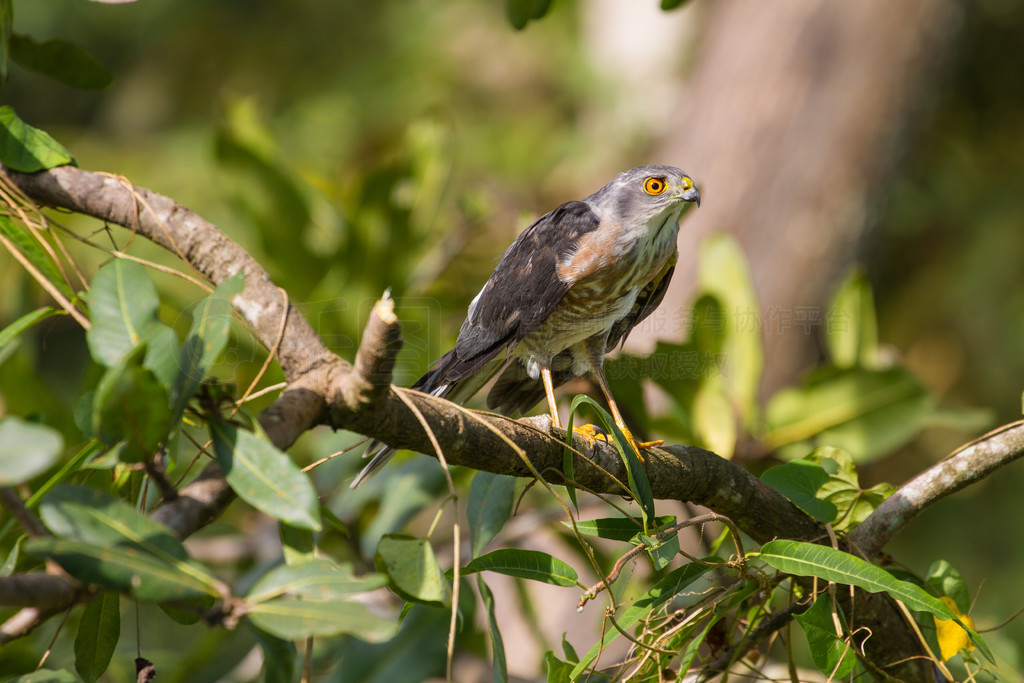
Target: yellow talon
{"type": "Point", "coordinates": [591, 433]}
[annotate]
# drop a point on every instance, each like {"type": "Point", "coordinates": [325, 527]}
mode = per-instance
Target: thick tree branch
{"type": "Point", "coordinates": [968, 465]}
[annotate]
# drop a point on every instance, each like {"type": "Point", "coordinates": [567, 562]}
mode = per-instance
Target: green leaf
{"type": "Point", "coordinates": [11, 332]}
{"type": "Point", "coordinates": [853, 504]}
{"type": "Point", "coordinates": [11, 561]}
{"type": "Point", "coordinates": [29, 246]}
{"type": "Point", "coordinates": [298, 545]}
{"type": "Point", "coordinates": [521, 12]}
{"type": "Point", "coordinates": [141, 575]}
{"type": "Point", "coordinates": [525, 564]}
{"type": "Point", "coordinates": [808, 559]}
{"type": "Point", "coordinates": [672, 4]}
{"type": "Point", "coordinates": [833, 657]}
{"type": "Point", "coordinates": [799, 481]}
{"type": "Point", "coordinates": [714, 424]}
{"type": "Point", "coordinates": [947, 581]}
{"type": "Point", "coordinates": [123, 307]}
{"type": "Point", "coordinates": [265, 477]}
{"type": "Point", "coordinates": [557, 671]}
{"type": "Point", "coordinates": [279, 657]}
{"type": "Point", "coordinates": [130, 405]}
{"type": "Point", "coordinates": [60, 60]}
{"type": "Point", "coordinates": [723, 273]}
{"type": "Point", "coordinates": [295, 619]}
{"type": "Point", "coordinates": [47, 676]}
{"type": "Point", "coordinates": [490, 505]}
{"type": "Point", "coordinates": [26, 449]}
{"type": "Point", "coordinates": [661, 552]}
{"type": "Point", "coordinates": [412, 570]}
{"type": "Point", "coordinates": [211, 326]}
{"type": "Point", "coordinates": [866, 413]}
{"type": "Point", "coordinates": [27, 149]}
{"type": "Point", "coordinates": [671, 585]}
{"type": "Point", "coordinates": [618, 528]}
{"type": "Point", "coordinates": [639, 484]}
{"type": "Point", "coordinates": [851, 330]}
{"type": "Point", "coordinates": [102, 521]}
{"type": "Point", "coordinates": [99, 629]}
{"type": "Point", "coordinates": [312, 580]}
{"type": "Point", "coordinates": [499, 666]}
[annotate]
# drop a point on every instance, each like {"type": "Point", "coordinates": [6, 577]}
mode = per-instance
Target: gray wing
{"type": "Point", "coordinates": [522, 292]}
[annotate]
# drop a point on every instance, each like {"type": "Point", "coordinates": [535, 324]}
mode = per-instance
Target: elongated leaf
{"type": "Point", "coordinates": [713, 421]}
{"type": "Point", "coordinates": [808, 559]}
{"type": "Point", "coordinates": [265, 477]}
{"type": "Point", "coordinates": [27, 149]}
{"type": "Point", "coordinates": [619, 528]}
{"type": "Point", "coordinates": [866, 413]}
{"type": "Point", "coordinates": [211, 326]}
{"type": "Point", "coordinates": [295, 619]}
{"type": "Point", "coordinates": [671, 585]}
{"type": "Point", "coordinates": [101, 520]}
{"type": "Point", "coordinates": [313, 580]}
{"type": "Point", "coordinates": [499, 665]}
{"type": "Point", "coordinates": [26, 449]}
{"type": "Point", "coordinates": [831, 654]}
{"type": "Point", "coordinates": [99, 629]}
{"type": "Point", "coordinates": [412, 569]}
{"type": "Point", "coordinates": [526, 564]}
{"type": "Point", "coordinates": [11, 332]}
{"type": "Point", "coordinates": [723, 273]}
{"type": "Point", "coordinates": [130, 405]}
{"type": "Point", "coordinates": [851, 331]}
{"type": "Point", "coordinates": [28, 245]}
{"type": "Point", "coordinates": [490, 505]}
{"type": "Point", "coordinates": [11, 561]}
{"type": "Point", "coordinates": [799, 481]}
{"type": "Point", "coordinates": [123, 308]}
{"type": "Point", "coordinates": [123, 569]}
{"type": "Point", "coordinates": [61, 61]}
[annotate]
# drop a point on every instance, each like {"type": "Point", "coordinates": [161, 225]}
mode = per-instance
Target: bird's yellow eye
{"type": "Point", "coordinates": [654, 186]}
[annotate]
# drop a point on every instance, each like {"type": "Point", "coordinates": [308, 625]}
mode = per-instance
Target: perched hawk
{"type": "Point", "coordinates": [569, 289]}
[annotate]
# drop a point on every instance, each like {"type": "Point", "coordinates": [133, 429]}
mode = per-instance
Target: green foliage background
{"type": "Point", "coordinates": [354, 146]}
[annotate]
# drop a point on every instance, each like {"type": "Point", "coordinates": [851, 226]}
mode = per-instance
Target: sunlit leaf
{"type": "Point", "coordinates": [525, 564]}
{"type": "Point", "coordinates": [29, 246]}
{"type": "Point", "coordinates": [618, 528]}
{"type": "Point", "coordinates": [265, 477]}
{"type": "Point", "coordinates": [833, 656]}
{"type": "Point", "coordinates": [27, 449]}
{"type": "Point", "coordinates": [489, 507]}
{"type": "Point", "coordinates": [412, 569]}
{"type": "Point", "coordinates": [123, 569]}
{"type": "Point", "coordinates": [809, 559]}
{"type": "Point", "coordinates": [499, 665]}
{"type": "Point", "coordinates": [799, 481]}
{"type": "Point", "coordinates": [293, 619]}
{"type": "Point", "coordinates": [866, 413]}
{"type": "Point", "coordinates": [62, 61]}
{"type": "Point", "coordinates": [851, 331]}
{"type": "Point", "coordinates": [211, 326]}
{"type": "Point", "coordinates": [27, 149]}
{"type": "Point", "coordinates": [313, 580]}
{"type": "Point", "coordinates": [99, 629]}
{"type": "Point", "coordinates": [713, 421]}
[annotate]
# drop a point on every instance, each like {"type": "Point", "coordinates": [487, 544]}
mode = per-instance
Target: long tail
{"type": "Point", "coordinates": [436, 383]}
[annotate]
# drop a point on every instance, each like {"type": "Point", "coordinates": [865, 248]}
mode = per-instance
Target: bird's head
{"type": "Point", "coordinates": [641, 194]}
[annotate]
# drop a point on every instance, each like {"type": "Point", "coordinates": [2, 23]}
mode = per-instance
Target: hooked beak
{"type": "Point", "coordinates": [691, 195]}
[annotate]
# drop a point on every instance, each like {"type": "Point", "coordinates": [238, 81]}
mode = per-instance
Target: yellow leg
{"type": "Point", "coordinates": [596, 367]}
{"type": "Point", "coordinates": [549, 391]}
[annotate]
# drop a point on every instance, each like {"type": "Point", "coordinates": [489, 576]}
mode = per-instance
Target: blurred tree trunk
{"type": "Point", "coordinates": [790, 119]}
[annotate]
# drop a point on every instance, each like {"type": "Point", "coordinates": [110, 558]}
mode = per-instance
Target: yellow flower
{"type": "Point", "coordinates": [952, 637]}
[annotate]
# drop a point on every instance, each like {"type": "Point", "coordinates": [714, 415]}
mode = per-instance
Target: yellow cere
{"type": "Point", "coordinates": [654, 185]}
